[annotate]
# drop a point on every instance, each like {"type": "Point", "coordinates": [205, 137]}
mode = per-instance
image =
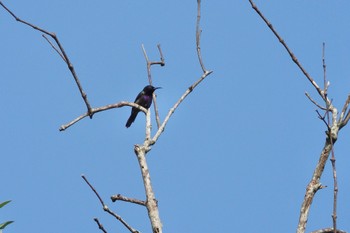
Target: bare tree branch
{"type": "Point", "coordinates": [314, 102]}
{"type": "Point", "coordinates": [149, 74]}
{"type": "Point", "coordinates": [291, 54]}
{"type": "Point", "coordinates": [119, 197]}
{"type": "Point", "coordinates": [194, 85]}
{"type": "Point", "coordinates": [176, 105]}
{"type": "Point", "coordinates": [325, 83]}
{"type": "Point", "coordinates": [105, 208]}
{"type": "Point", "coordinates": [323, 119]}
{"type": "Point", "coordinates": [60, 50]}
{"type": "Point", "coordinates": [335, 185]}
{"type": "Point", "coordinates": [198, 36]}
{"type": "Point", "coordinates": [54, 47]}
{"type": "Point", "coordinates": [100, 109]}
{"type": "Point", "coordinates": [328, 230]}
{"type": "Point", "coordinates": [344, 113]}
{"type": "Point", "coordinates": [148, 126]}
{"type": "Point", "coordinates": [100, 226]}
{"type": "Point", "coordinates": [151, 202]}
{"type": "Point", "coordinates": [313, 187]}
{"type": "Point", "coordinates": [335, 192]}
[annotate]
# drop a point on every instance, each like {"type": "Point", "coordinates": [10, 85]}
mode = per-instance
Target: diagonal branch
{"type": "Point", "coordinates": [291, 54]}
{"type": "Point", "coordinates": [344, 115]}
{"type": "Point", "coordinates": [105, 208]}
{"type": "Point", "coordinates": [60, 50]}
{"type": "Point", "coordinates": [100, 226]}
{"type": "Point", "coordinates": [54, 47]}
{"type": "Point", "coordinates": [314, 102]}
{"type": "Point", "coordinates": [176, 105]}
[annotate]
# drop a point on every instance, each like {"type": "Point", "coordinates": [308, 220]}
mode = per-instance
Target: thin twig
{"type": "Point", "coordinates": [94, 190]}
{"type": "Point", "coordinates": [100, 226]}
{"type": "Point", "coordinates": [105, 208]}
{"type": "Point", "coordinates": [323, 119]}
{"type": "Point", "coordinates": [335, 182]}
{"type": "Point", "coordinates": [314, 102]}
{"type": "Point", "coordinates": [54, 47]}
{"type": "Point", "coordinates": [198, 37]}
{"type": "Point", "coordinates": [59, 50]}
{"type": "Point", "coordinates": [325, 83]}
{"type": "Point", "coordinates": [119, 197]}
{"type": "Point", "coordinates": [335, 192]}
{"type": "Point", "coordinates": [162, 60]}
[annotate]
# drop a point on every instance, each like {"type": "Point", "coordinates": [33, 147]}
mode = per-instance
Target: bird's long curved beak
{"type": "Point", "coordinates": [157, 88]}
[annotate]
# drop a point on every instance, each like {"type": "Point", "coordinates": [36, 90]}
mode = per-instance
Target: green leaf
{"type": "Point", "coordinates": [4, 203]}
{"type": "Point", "coordinates": [3, 225]}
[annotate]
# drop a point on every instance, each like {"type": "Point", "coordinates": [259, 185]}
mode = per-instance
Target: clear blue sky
{"type": "Point", "coordinates": [235, 157]}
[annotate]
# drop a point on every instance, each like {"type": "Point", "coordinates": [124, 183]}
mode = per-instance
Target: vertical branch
{"type": "Point", "coordinates": [198, 36]}
{"type": "Point", "coordinates": [151, 202]}
{"type": "Point", "coordinates": [325, 84]}
{"type": "Point", "coordinates": [335, 182]}
{"type": "Point", "coordinates": [100, 226]}
{"type": "Point", "coordinates": [313, 186]}
{"type": "Point", "coordinates": [149, 64]}
{"type": "Point", "coordinates": [335, 192]}
{"type": "Point", "coordinates": [148, 125]}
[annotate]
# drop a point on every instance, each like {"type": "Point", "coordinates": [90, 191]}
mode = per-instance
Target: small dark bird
{"type": "Point", "coordinates": [144, 98]}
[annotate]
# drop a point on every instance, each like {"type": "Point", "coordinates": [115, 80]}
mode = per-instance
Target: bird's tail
{"type": "Point", "coordinates": [131, 119]}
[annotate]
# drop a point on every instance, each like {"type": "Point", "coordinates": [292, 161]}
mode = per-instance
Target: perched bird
{"type": "Point", "coordinates": [144, 98]}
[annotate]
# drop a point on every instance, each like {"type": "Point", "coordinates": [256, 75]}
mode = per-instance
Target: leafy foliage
{"type": "Point", "coordinates": [3, 225]}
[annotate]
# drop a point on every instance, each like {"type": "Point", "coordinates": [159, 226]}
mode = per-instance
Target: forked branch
{"type": "Point", "coordinates": [105, 207]}
{"type": "Point", "coordinates": [205, 74]}
{"type": "Point", "coordinates": [61, 52]}
{"type": "Point", "coordinates": [149, 74]}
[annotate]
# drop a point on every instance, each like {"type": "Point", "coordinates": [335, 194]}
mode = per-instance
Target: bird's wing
{"type": "Point", "coordinates": [139, 96]}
